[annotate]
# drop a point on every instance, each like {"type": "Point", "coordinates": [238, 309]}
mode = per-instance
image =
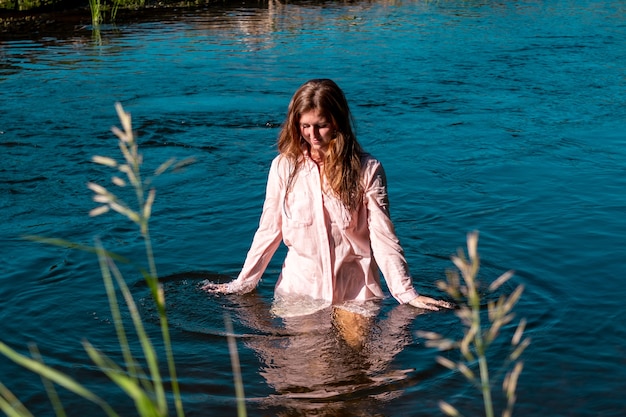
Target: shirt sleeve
{"type": "Point", "coordinates": [385, 244]}
{"type": "Point", "coordinates": [267, 237]}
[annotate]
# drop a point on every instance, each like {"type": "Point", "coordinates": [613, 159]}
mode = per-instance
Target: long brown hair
{"type": "Point", "coordinates": [342, 163]}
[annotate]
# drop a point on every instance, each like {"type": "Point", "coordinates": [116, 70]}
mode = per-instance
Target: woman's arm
{"type": "Point", "coordinates": [386, 246]}
{"type": "Point", "coordinates": [266, 239]}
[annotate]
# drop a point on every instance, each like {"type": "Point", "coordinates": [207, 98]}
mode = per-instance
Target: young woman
{"type": "Point", "coordinates": [326, 199]}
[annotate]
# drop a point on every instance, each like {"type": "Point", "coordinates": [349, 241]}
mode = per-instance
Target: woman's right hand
{"type": "Point", "coordinates": [214, 288]}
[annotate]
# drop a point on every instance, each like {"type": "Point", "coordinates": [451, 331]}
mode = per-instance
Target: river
{"type": "Point", "coordinates": [503, 117]}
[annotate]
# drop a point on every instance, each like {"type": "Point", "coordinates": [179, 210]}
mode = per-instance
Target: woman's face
{"type": "Point", "coordinates": [317, 131]}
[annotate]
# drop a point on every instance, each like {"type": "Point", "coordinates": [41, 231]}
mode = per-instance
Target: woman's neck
{"type": "Point", "coordinates": [317, 157]}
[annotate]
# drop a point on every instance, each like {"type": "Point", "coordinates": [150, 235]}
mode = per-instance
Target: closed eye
{"type": "Point", "coordinates": [320, 126]}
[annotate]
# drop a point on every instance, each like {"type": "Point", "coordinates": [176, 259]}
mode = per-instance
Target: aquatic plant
{"type": "Point", "coordinates": [97, 13]}
{"type": "Point", "coordinates": [99, 9]}
{"type": "Point", "coordinates": [478, 338]}
{"type": "Point", "coordinates": [147, 391]}
{"type": "Point", "coordinates": [131, 169]}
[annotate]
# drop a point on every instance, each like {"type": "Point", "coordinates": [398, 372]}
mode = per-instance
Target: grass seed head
{"type": "Point", "coordinates": [104, 160]}
{"type": "Point", "coordinates": [98, 211]}
{"type": "Point", "coordinates": [448, 409]}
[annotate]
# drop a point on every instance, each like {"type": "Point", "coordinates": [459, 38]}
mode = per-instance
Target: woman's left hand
{"type": "Point", "coordinates": [427, 303]}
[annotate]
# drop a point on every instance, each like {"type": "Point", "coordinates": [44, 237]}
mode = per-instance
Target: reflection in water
{"type": "Point", "coordinates": [336, 361]}
{"type": "Point", "coordinates": [317, 363]}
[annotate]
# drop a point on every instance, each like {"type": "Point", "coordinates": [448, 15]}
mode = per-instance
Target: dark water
{"type": "Point", "coordinates": [505, 117]}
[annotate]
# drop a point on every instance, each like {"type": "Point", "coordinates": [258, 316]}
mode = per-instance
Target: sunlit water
{"type": "Point", "coordinates": [504, 117]}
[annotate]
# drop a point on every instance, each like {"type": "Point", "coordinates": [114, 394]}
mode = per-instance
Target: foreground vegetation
{"type": "Point", "coordinates": [142, 381]}
{"type": "Point", "coordinates": [145, 388]}
{"type": "Point", "coordinates": [478, 336]}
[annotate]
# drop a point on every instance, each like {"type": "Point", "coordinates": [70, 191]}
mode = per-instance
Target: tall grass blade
{"type": "Point", "coordinates": [109, 268]}
{"type": "Point", "coordinates": [49, 386]}
{"type": "Point", "coordinates": [55, 376]}
{"type": "Point", "coordinates": [115, 310]}
{"type": "Point", "coordinates": [11, 405]}
{"type": "Point", "coordinates": [234, 359]}
{"type": "Point", "coordinates": [144, 404]}
{"type": "Point", "coordinates": [72, 245]}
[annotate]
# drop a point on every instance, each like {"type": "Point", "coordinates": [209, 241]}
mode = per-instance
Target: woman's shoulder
{"type": "Point", "coordinates": [281, 161]}
{"type": "Point", "coordinates": [283, 164]}
{"type": "Point", "coordinates": [369, 162]}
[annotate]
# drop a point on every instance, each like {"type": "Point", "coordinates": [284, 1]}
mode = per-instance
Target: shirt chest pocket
{"type": "Point", "coordinates": [298, 208]}
{"type": "Point", "coordinates": [339, 216]}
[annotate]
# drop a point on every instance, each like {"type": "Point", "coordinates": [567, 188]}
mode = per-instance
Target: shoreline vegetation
{"type": "Point", "coordinates": [62, 19]}
{"type": "Point", "coordinates": [28, 19]}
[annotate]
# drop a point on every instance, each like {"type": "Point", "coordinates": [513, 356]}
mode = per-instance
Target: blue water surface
{"type": "Point", "coordinates": [502, 117]}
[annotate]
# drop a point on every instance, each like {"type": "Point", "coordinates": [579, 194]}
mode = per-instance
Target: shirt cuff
{"type": "Point", "coordinates": [407, 296]}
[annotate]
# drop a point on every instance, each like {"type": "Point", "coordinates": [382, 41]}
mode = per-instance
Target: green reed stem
{"type": "Point", "coordinates": [234, 360]}
{"type": "Point", "coordinates": [55, 376]}
{"type": "Point", "coordinates": [11, 405]}
{"type": "Point", "coordinates": [155, 384]}
{"type": "Point", "coordinates": [479, 342]}
{"type": "Point", "coordinates": [103, 260]}
{"type": "Point", "coordinates": [49, 386]}
{"type": "Point", "coordinates": [96, 12]}
{"type": "Point", "coordinates": [159, 297]}
{"type": "Point", "coordinates": [482, 363]}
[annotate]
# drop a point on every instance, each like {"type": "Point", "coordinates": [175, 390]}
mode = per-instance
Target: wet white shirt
{"type": "Point", "coordinates": [333, 255]}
